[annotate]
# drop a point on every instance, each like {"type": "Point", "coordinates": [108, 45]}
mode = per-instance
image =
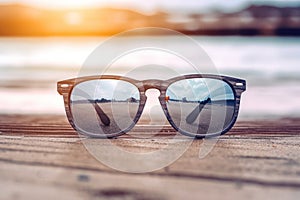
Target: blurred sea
{"type": "Point", "coordinates": [30, 68]}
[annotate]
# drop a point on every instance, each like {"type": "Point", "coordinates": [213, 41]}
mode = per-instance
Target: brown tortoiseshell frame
{"type": "Point", "coordinates": [65, 88]}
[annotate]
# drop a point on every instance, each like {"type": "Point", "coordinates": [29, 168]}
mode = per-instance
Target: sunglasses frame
{"type": "Point", "coordinates": [66, 87]}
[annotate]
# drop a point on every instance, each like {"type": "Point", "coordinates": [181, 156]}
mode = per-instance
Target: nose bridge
{"type": "Point", "coordinates": [152, 84]}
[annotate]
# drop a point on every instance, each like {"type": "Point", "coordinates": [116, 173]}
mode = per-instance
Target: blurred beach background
{"type": "Point", "coordinates": [42, 42]}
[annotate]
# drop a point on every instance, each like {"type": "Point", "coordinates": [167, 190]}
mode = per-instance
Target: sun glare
{"type": "Point", "coordinates": [73, 18]}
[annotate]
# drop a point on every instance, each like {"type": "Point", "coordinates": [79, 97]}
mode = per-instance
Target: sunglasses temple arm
{"type": "Point", "coordinates": [195, 113]}
{"type": "Point", "coordinates": [103, 117]}
{"type": "Point", "coordinates": [101, 114]}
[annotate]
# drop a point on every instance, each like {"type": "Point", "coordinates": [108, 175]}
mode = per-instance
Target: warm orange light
{"type": "Point", "coordinates": [70, 17]}
{"type": "Point", "coordinates": [65, 3]}
{"type": "Point", "coordinates": [73, 18]}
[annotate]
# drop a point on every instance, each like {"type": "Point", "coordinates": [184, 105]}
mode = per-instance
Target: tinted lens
{"type": "Point", "coordinates": [104, 107]}
{"type": "Point", "coordinates": [200, 106]}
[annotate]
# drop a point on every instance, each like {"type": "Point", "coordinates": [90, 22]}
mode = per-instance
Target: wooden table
{"type": "Point", "coordinates": [41, 157]}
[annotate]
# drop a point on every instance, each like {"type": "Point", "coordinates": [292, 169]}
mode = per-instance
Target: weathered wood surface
{"type": "Point", "coordinates": [41, 157]}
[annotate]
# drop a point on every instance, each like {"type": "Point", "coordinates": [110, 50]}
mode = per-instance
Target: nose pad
{"type": "Point", "coordinates": [153, 113]}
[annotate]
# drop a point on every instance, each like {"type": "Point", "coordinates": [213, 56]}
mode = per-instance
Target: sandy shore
{"type": "Point", "coordinates": [42, 157]}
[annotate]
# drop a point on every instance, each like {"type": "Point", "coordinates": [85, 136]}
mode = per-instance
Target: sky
{"type": "Point", "coordinates": [152, 5]}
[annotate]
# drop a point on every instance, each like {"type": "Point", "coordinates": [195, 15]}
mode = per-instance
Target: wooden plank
{"type": "Point", "coordinates": [41, 156]}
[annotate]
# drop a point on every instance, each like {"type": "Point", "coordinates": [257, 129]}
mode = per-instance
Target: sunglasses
{"type": "Point", "coordinates": [196, 105]}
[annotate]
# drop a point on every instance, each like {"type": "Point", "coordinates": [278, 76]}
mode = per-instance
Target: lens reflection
{"type": "Point", "coordinates": [104, 106]}
{"type": "Point", "coordinates": [200, 106]}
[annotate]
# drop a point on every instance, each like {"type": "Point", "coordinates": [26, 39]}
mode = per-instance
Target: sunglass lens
{"type": "Point", "coordinates": [200, 106]}
{"type": "Point", "coordinates": [104, 107]}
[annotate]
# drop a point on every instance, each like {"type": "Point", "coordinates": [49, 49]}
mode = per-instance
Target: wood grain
{"type": "Point", "coordinates": [41, 157]}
